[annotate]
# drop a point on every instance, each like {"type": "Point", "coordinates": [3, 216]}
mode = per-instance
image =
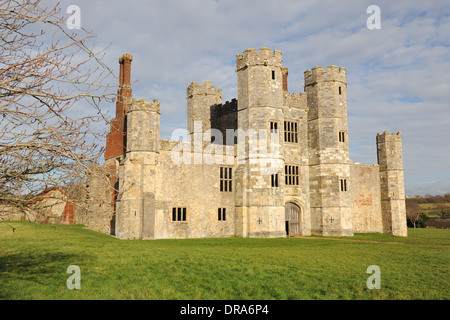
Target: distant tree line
{"type": "Point", "coordinates": [439, 205]}
{"type": "Point", "coordinates": [432, 199]}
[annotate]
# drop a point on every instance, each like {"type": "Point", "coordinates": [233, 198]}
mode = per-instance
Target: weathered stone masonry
{"type": "Point", "coordinates": [309, 187]}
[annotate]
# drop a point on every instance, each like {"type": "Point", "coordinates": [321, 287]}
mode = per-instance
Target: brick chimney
{"type": "Point", "coordinates": [124, 93]}
{"type": "Point", "coordinates": [285, 77]}
{"type": "Point", "coordinates": [116, 138]}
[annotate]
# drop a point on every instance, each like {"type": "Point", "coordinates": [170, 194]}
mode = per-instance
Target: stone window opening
{"type": "Point", "coordinates": [178, 214]}
{"type": "Point", "coordinates": [340, 91]}
{"type": "Point", "coordinates": [222, 214]}
{"type": "Point", "coordinates": [226, 180]}
{"type": "Point", "coordinates": [274, 180]}
{"type": "Point", "coordinates": [290, 132]}
{"type": "Point", "coordinates": [291, 175]}
{"type": "Point", "coordinates": [273, 127]}
{"type": "Point", "coordinates": [273, 74]}
{"type": "Point", "coordinates": [341, 136]}
{"type": "Point", "coordinates": [343, 184]}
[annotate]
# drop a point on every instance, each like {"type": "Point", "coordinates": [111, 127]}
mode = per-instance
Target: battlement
{"type": "Point", "coordinates": [205, 89]}
{"type": "Point", "coordinates": [332, 73]}
{"type": "Point", "coordinates": [144, 105]}
{"type": "Point", "coordinates": [389, 137]}
{"type": "Point", "coordinates": [265, 57]}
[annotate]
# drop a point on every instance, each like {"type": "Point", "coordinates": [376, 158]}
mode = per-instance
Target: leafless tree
{"type": "Point", "coordinates": [51, 84]}
{"type": "Point", "coordinates": [412, 210]}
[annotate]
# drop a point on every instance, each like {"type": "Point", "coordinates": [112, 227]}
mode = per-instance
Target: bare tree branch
{"type": "Point", "coordinates": [47, 76]}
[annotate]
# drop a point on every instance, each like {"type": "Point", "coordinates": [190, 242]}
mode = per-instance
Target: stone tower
{"type": "Point", "coordinates": [389, 151]}
{"type": "Point", "coordinates": [200, 98]}
{"type": "Point", "coordinates": [329, 161]}
{"type": "Point", "coordinates": [136, 201]}
{"type": "Point", "coordinates": [259, 186]}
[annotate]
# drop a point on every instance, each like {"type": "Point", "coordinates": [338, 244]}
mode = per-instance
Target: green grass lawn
{"type": "Point", "coordinates": [34, 260]}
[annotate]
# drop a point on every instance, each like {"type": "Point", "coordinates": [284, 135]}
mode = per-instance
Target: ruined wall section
{"type": "Point", "coordinates": [96, 212]}
{"type": "Point", "coordinates": [390, 160]}
{"type": "Point", "coordinates": [366, 198]}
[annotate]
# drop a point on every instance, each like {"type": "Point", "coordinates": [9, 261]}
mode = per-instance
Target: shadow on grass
{"type": "Point", "coordinates": [24, 273]}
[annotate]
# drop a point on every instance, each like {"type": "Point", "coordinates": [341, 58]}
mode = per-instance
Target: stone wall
{"type": "Point", "coordinates": [195, 187]}
{"type": "Point", "coordinates": [13, 213]}
{"type": "Point", "coordinates": [97, 210]}
{"type": "Point", "coordinates": [223, 117]}
{"type": "Point", "coordinates": [366, 198]}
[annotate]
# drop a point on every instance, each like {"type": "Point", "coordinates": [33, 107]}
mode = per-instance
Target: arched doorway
{"type": "Point", "coordinates": [292, 219]}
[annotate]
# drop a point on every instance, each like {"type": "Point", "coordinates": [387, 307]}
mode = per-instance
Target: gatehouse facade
{"type": "Point", "coordinates": [267, 164]}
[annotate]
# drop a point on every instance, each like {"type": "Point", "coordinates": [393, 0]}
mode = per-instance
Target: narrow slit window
{"type": "Point", "coordinates": [273, 75]}
{"type": "Point", "coordinates": [295, 131]}
{"type": "Point", "coordinates": [340, 91]}
{"type": "Point", "coordinates": [341, 136]}
{"type": "Point", "coordinates": [285, 174]}
{"type": "Point", "coordinates": [274, 180]}
{"type": "Point", "coordinates": [343, 184]}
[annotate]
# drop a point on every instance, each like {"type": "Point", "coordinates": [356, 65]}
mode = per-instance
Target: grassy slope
{"type": "Point", "coordinates": [34, 259]}
{"type": "Point", "coordinates": [431, 209]}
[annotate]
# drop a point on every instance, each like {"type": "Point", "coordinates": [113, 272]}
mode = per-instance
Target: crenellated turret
{"type": "Point", "coordinates": [135, 203]}
{"type": "Point", "coordinates": [259, 190]}
{"type": "Point", "coordinates": [260, 78]}
{"type": "Point", "coordinates": [327, 103]}
{"type": "Point", "coordinates": [200, 99]}
{"type": "Point", "coordinates": [329, 156]}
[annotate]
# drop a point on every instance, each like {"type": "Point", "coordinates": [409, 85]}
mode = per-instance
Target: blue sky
{"type": "Point", "coordinates": [398, 76]}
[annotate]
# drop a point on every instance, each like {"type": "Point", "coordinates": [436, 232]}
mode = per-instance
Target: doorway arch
{"type": "Point", "coordinates": [292, 219]}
